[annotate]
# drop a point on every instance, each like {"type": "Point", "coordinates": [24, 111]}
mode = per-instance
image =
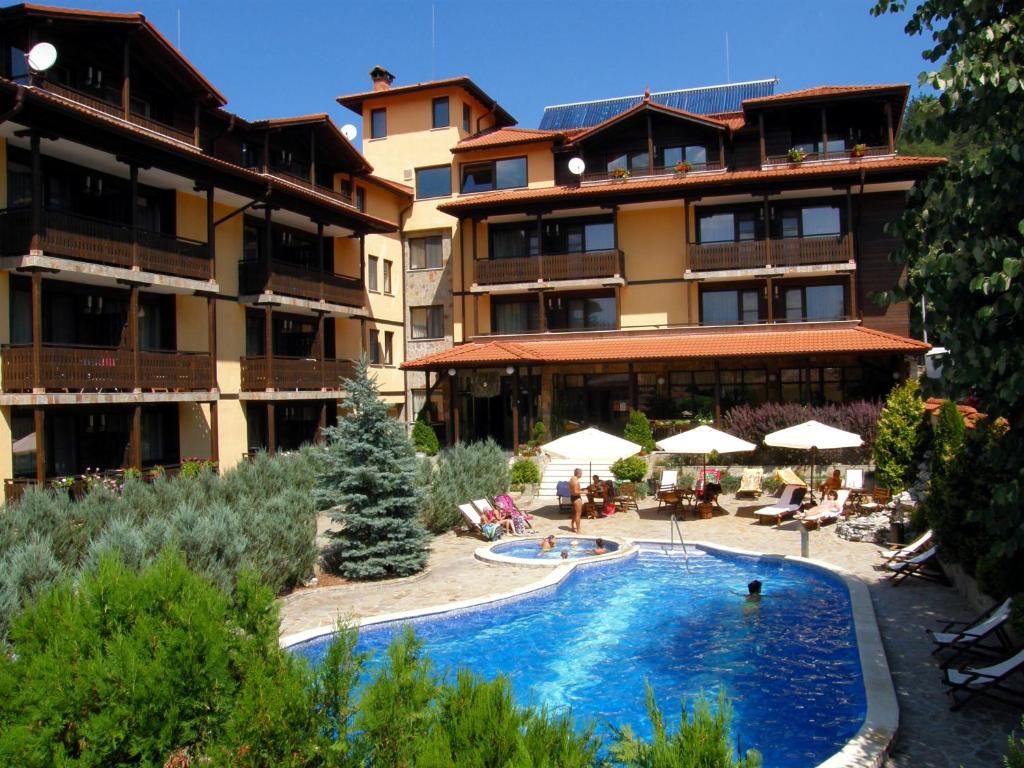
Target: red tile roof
{"type": "Point", "coordinates": [694, 343]}
{"type": "Point", "coordinates": [689, 181]}
{"type": "Point", "coordinates": [827, 90]}
{"type": "Point", "coordinates": [354, 101]}
{"type": "Point", "coordinates": [503, 137]}
{"type": "Point", "coordinates": [970, 414]}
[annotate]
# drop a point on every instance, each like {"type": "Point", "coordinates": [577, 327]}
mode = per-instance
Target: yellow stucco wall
{"type": "Point", "coordinates": [652, 240]}
{"type": "Point", "coordinates": [6, 455]}
{"type": "Point", "coordinates": [194, 430]}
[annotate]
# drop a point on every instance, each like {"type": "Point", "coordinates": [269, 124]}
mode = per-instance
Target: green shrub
{"type": "Point", "coordinates": [730, 483]}
{"type": "Point", "coordinates": [702, 740]}
{"type": "Point", "coordinates": [424, 438]}
{"type": "Point", "coordinates": [949, 436]}
{"type": "Point", "coordinates": [464, 472]}
{"type": "Point", "coordinates": [897, 446]}
{"type": "Point", "coordinates": [539, 430]}
{"type": "Point", "coordinates": [524, 472]}
{"type": "Point", "coordinates": [638, 430]}
{"type": "Point", "coordinates": [631, 469]}
{"type": "Point", "coordinates": [1014, 750]}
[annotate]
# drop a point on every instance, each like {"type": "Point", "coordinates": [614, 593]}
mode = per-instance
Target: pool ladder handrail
{"type": "Point", "coordinates": [672, 531]}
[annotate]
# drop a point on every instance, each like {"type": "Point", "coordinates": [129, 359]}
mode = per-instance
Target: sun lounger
{"type": "Point", "coordinates": [788, 476]}
{"type": "Point", "coordinates": [967, 683]}
{"type": "Point", "coordinates": [668, 480]}
{"type": "Point", "coordinates": [826, 512]}
{"type": "Point", "coordinates": [970, 639]}
{"type": "Point", "coordinates": [476, 524]}
{"type": "Point", "coordinates": [910, 550]}
{"type": "Point", "coordinates": [787, 505]}
{"type": "Point", "coordinates": [750, 482]}
{"type": "Point", "coordinates": [916, 566]}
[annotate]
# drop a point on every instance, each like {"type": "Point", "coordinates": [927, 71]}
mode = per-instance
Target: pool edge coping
{"type": "Point", "coordinates": [868, 748]}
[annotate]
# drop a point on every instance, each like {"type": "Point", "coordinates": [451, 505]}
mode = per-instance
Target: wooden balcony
{"type": "Point", "coordinates": [80, 237]}
{"type": "Point", "coordinates": [558, 266]}
{"type": "Point", "coordinates": [846, 154]}
{"type": "Point", "coordinates": [113, 109]}
{"type": "Point", "coordinates": [294, 373]}
{"type": "Point", "coordinates": [596, 177]}
{"type": "Point", "coordinates": [763, 254]}
{"type": "Point", "coordinates": [301, 181]}
{"type": "Point", "coordinates": [299, 282]}
{"type": "Point", "coordinates": [68, 368]}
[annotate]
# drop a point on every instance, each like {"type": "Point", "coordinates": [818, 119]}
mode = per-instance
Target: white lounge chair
{"type": "Point", "coordinates": [971, 638]}
{"type": "Point", "coordinates": [910, 550]}
{"type": "Point", "coordinates": [915, 566]}
{"type": "Point", "coordinates": [826, 511]}
{"type": "Point", "coordinates": [668, 480]}
{"type": "Point", "coordinates": [985, 681]}
{"type": "Point", "coordinates": [476, 522]}
{"type": "Point", "coordinates": [787, 505]}
{"type": "Point", "coordinates": [855, 479]}
{"type": "Point", "coordinates": [483, 506]}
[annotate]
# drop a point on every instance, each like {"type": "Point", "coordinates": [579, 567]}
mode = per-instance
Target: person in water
{"type": "Point", "coordinates": [565, 554]}
{"type": "Point", "coordinates": [547, 544]}
{"type": "Point", "coordinates": [599, 548]}
{"type": "Point", "coordinates": [754, 591]}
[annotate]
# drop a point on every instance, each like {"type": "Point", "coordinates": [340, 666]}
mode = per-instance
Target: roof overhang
{"type": "Point", "coordinates": [355, 101]}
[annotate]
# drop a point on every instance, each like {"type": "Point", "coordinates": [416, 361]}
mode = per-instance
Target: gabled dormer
{"type": "Point", "coordinates": [649, 139]}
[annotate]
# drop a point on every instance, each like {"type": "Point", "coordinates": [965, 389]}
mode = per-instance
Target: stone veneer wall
{"type": "Point", "coordinates": [427, 287]}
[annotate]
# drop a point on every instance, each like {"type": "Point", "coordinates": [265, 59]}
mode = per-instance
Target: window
{"type": "Point", "coordinates": [389, 348]}
{"type": "Point", "coordinates": [732, 226]}
{"type": "Point", "coordinates": [373, 346]}
{"type": "Point", "coordinates": [637, 160]}
{"type": "Point", "coordinates": [581, 312]}
{"type": "Point", "coordinates": [433, 182]}
{"type": "Point", "coordinates": [431, 410]}
{"type": "Point", "coordinates": [371, 273]}
{"type": "Point", "coordinates": [509, 173]}
{"type": "Point", "coordinates": [514, 242]}
{"type": "Point", "coordinates": [387, 276]}
{"type": "Point", "coordinates": [514, 316]}
{"type": "Point", "coordinates": [427, 322]}
{"type": "Point", "coordinates": [814, 302]}
{"type": "Point", "coordinates": [695, 155]}
{"type": "Point", "coordinates": [578, 235]}
{"type": "Point", "coordinates": [425, 252]}
{"type": "Point", "coordinates": [466, 118]}
{"type": "Point", "coordinates": [360, 199]}
{"type": "Point", "coordinates": [730, 307]}
{"type": "Point", "coordinates": [810, 221]}
{"type": "Point", "coordinates": [439, 109]}
{"type": "Point", "coordinates": [378, 123]}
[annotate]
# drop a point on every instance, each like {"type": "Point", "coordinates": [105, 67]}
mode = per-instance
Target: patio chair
{"type": "Point", "coordinates": [626, 497]}
{"type": "Point", "coordinates": [906, 552]}
{"type": "Point", "coordinates": [968, 683]}
{"type": "Point", "coordinates": [564, 497]}
{"type": "Point", "coordinates": [855, 479]}
{"type": "Point", "coordinates": [708, 485]}
{"type": "Point", "coordinates": [825, 512]}
{"type": "Point", "coordinates": [918, 567]}
{"type": "Point", "coordinates": [668, 480]}
{"type": "Point", "coordinates": [487, 531]}
{"type": "Point", "coordinates": [750, 482]}
{"type": "Point", "coordinates": [787, 505]}
{"type": "Point", "coordinates": [522, 522]}
{"type": "Point", "coordinates": [970, 639]}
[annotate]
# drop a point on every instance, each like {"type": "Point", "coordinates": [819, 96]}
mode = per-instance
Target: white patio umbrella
{"type": "Point", "coordinates": [26, 444]}
{"type": "Point", "coordinates": [704, 440]}
{"type": "Point", "coordinates": [813, 436]}
{"type": "Point", "coordinates": [589, 445]}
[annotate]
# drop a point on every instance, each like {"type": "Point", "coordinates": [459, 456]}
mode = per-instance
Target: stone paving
{"type": "Point", "coordinates": [930, 735]}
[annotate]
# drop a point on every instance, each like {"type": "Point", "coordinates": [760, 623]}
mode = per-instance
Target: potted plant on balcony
{"type": "Point", "coordinates": [620, 174]}
{"type": "Point", "coordinates": [683, 166]}
{"type": "Point", "coordinates": [859, 150]}
{"type": "Point", "coordinates": [796, 155]}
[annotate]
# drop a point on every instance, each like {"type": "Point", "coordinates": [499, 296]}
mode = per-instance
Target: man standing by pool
{"type": "Point", "coordinates": [576, 497]}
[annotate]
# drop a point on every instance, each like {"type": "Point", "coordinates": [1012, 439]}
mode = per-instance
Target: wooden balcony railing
{"type": "Point", "coordinates": [103, 242]}
{"type": "Point", "coordinates": [114, 109]}
{"type": "Point", "coordinates": [648, 172]}
{"type": "Point", "coordinates": [760, 254]}
{"type": "Point", "coordinates": [301, 181]}
{"type": "Point", "coordinates": [300, 282]}
{"type": "Point", "coordinates": [294, 373]}
{"type": "Point", "coordinates": [93, 369]}
{"type": "Point", "coordinates": [556, 266]}
{"type": "Point", "coordinates": [845, 154]}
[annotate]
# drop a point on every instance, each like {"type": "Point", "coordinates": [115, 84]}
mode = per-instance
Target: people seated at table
{"type": "Point", "coordinates": [833, 483]}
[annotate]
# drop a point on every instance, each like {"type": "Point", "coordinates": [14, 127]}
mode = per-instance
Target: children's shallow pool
{"type": "Point", "coordinates": [789, 663]}
{"type": "Point", "coordinates": [574, 548]}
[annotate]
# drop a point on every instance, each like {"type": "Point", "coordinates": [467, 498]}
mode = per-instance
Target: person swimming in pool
{"type": "Point", "coordinates": [565, 554]}
{"type": "Point", "coordinates": [599, 548]}
{"type": "Point", "coordinates": [547, 544]}
{"type": "Point", "coordinates": [754, 591]}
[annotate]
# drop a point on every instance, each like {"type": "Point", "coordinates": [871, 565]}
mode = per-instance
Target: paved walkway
{"type": "Point", "coordinates": [930, 735]}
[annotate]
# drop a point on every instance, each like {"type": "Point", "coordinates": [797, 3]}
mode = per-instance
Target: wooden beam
{"type": "Point", "coordinates": [211, 232]}
{"type": "Point", "coordinates": [770, 300]}
{"type": "Point", "coordinates": [760, 129]}
{"type": "Point", "coordinates": [126, 89]}
{"type": "Point", "coordinates": [721, 150]}
{"type": "Point", "coordinates": [320, 438]}
{"type": "Point", "coordinates": [824, 134]}
{"type": "Point", "coordinates": [37, 191]}
{"type": "Point", "coordinates": [211, 339]}
{"type": "Point", "coordinates": [632, 388]}
{"type": "Point", "coordinates": [515, 410]}
{"type": "Point", "coordinates": [136, 438]}
{"type": "Point", "coordinates": [39, 416]}
{"type": "Point", "coordinates": [271, 430]}
{"type": "Point", "coordinates": [650, 145]}
{"type": "Point", "coordinates": [37, 333]}
{"type": "Point", "coordinates": [268, 345]}
{"type": "Point", "coordinates": [133, 334]}
{"type": "Point", "coordinates": [133, 211]}
{"type": "Point", "coordinates": [214, 433]}
{"type": "Point", "coordinates": [889, 127]}
{"type": "Point", "coordinates": [312, 157]}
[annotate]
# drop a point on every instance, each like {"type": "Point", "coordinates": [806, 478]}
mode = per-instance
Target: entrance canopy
{"type": "Point", "coordinates": [590, 445]}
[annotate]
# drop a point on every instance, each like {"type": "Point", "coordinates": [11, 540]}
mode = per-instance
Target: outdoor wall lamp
{"type": "Point", "coordinates": [451, 371]}
{"type": "Point", "coordinates": [510, 370]}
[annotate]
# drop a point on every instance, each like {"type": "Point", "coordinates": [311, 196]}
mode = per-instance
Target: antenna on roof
{"type": "Point", "coordinates": [348, 131]}
{"type": "Point", "coordinates": [41, 57]}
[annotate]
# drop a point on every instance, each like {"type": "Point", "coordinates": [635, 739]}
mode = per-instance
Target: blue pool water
{"type": "Point", "coordinates": [530, 549]}
{"type": "Point", "coordinates": [790, 664]}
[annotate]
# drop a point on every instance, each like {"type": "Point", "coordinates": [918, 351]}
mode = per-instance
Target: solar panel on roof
{"type": "Point", "coordinates": [710, 100]}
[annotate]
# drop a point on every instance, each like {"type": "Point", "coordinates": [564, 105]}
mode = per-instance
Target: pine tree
{"type": "Point", "coordinates": [369, 477]}
{"type": "Point", "coordinates": [638, 430]}
{"type": "Point", "coordinates": [898, 444]}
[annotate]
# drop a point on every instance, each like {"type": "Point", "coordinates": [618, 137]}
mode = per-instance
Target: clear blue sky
{"type": "Point", "coordinates": [278, 58]}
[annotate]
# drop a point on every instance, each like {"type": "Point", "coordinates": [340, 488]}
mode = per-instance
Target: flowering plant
{"type": "Point", "coordinates": [796, 155]}
{"type": "Point", "coordinates": [683, 166]}
{"type": "Point", "coordinates": [620, 173]}
{"type": "Point", "coordinates": [859, 150]}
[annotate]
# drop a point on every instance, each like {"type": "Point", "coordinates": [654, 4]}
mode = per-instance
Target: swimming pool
{"type": "Point", "coordinates": [790, 664]}
{"type": "Point", "coordinates": [528, 551]}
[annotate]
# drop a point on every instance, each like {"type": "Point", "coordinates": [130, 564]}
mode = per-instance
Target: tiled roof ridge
{"type": "Point", "coordinates": [825, 90]}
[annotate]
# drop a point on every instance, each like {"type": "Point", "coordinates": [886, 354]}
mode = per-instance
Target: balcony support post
{"type": "Point", "coordinates": [362, 257]}
{"type": "Point", "coordinates": [650, 145]}
{"type": "Point", "coordinates": [760, 129]}
{"type": "Point", "coordinates": [529, 400]}
{"type": "Point", "coordinates": [721, 150]}
{"type": "Point", "coordinates": [320, 438]}
{"type": "Point", "coordinates": [37, 333]}
{"type": "Point", "coordinates": [211, 233]}
{"type": "Point", "coordinates": [540, 246]}
{"type": "Point", "coordinates": [126, 88]}
{"type": "Point", "coordinates": [271, 430]}
{"type": "Point", "coordinates": [266, 151]}
{"type": "Point", "coordinates": [767, 232]}
{"type": "Point", "coordinates": [37, 193]}
{"type": "Point", "coordinates": [515, 410]}
{"type": "Point", "coordinates": [824, 135]}
{"type": "Point", "coordinates": [770, 301]}
{"type": "Point", "coordinates": [214, 433]}
{"type": "Point", "coordinates": [312, 156]}
{"type": "Point", "coordinates": [211, 339]}
{"type": "Point", "coordinates": [39, 415]}
{"type": "Point", "coordinates": [195, 123]}
{"type": "Point", "coordinates": [321, 349]}
{"type": "Point", "coordinates": [135, 460]}
{"type": "Point", "coordinates": [888, 127]}
{"type": "Point", "coordinates": [133, 211]}
{"type": "Point", "coordinates": [320, 256]}
{"type": "Point", "coordinates": [268, 247]}
{"type": "Point", "coordinates": [615, 241]}
{"type": "Point", "coordinates": [268, 345]}
{"type": "Point", "coordinates": [632, 388]}
{"type": "Point", "coordinates": [849, 250]}
{"type": "Point", "coordinates": [542, 321]}
{"type": "Point", "coordinates": [718, 393]}
{"type": "Point", "coordinates": [133, 335]}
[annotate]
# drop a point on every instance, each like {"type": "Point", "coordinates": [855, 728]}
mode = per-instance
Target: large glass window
{"type": "Point", "coordinates": [373, 346]}
{"type": "Point", "coordinates": [433, 182]}
{"type": "Point", "coordinates": [515, 316]}
{"type": "Point", "coordinates": [599, 236]}
{"type": "Point", "coordinates": [371, 272]}
{"type": "Point", "coordinates": [578, 235]}
{"type": "Point", "coordinates": [728, 226]}
{"type": "Point", "coordinates": [439, 111]}
{"type": "Point", "coordinates": [730, 307]}
{"type": "Point", "coordinates": [513, 242]}
{"type": "Point", "coordinates": [426, 252]}
{"type": "Point", "coordinates": [389, 347]}
{"type": "Point", "coordinates": [815, 302]}
{"type": "Point", "coordinates": [427, 322]}
{"type": "Point", "coordinates": [508, 173]}
{"type": "Point", "coordinates": [636, 160]}
{"type": "Point", "coordinates": [581, 312]}
{"type": "Point", "coordinates": [378, 123]}
{"type": "Point", "coordinates": [387, 275]}
{"type": "Point", "coordinates": [820, 220]}
{"type": "Point", "coordinates": [466, 121]}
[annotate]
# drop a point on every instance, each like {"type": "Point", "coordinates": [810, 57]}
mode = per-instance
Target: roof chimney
{"type": "Point", "coordinates": [382, 79]}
